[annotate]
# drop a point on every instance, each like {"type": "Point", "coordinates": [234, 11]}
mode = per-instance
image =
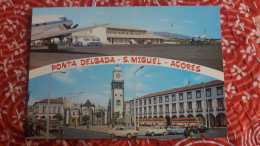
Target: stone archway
{"type": "Point", "coordinates": [87, 115]}
{"type": "Point", "coordinates": [161, 117]}
{"type": "Point", "coordinates": [212, 121]}
{"type": "Point", "coordinates": [99, 116]}
{"type": "Point", "coordinates": [201, 117]}
{"type": "Point", "coordinates": [168, 119]}
{"type": "Point", "coordinates": [181, 116]}
{"type": "Point", "coordinates": [174, 123]}
{"type": "Point", "coordinates": [221, 120]}
{"type": "Point", "coordinates": [74, 116]}
{"type": "Point", "coordinates": [154, 116]}
{"type": "Point", "coordinates": [190, 116]}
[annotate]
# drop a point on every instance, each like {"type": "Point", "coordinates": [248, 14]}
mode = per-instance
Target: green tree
{"type": "Point", "coordinates": [59, 116]}
{"type": "Point", "coordinates": [85, 118]}
{"type": "Point", "coordinates": [98, 114]}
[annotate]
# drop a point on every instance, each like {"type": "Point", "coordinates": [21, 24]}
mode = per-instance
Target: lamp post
{"type": "Point", "coordinates": [135, 97]}
{"type": "Point", "coordinates": [77, 95]}
{"type": "Point", "coordinates": [48, 105]}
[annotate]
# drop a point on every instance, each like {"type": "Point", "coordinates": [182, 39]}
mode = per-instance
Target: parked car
{"type": "Point", "coordinates": [175, 130]}
{"type": "Point", "coordinates": [199, 129]}
{"type": "Point", "coordinates": [94, 44]}
{"type": "Point", "coordinates": [156, 130]}
{"type": "Point", "coordinates": [121, 131]}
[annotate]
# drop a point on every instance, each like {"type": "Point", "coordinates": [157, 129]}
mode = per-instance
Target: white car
{"type": "Point", "coordinates": [121, 131]}
{"type": "Point", "coordinates": [157, 130]}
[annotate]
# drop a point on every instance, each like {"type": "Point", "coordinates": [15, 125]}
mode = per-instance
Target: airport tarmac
{"type": "Point", "coordinates": [205, 55]}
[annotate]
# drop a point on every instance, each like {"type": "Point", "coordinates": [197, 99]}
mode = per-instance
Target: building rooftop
{"type": "Point", "coordinates": [59, 100]}
{"type": "Point", "coordinates": [181, 89]}
{"type": "Point", "coordinates": [121, 27]}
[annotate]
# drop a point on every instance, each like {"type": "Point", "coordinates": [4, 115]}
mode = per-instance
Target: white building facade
{"type": "Point", "coordinates": [116, 34]}
{"type": "Point", "coordinates": [198, 100]}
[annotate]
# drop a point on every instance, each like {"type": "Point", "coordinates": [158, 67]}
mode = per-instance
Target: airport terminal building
{"type": "Point", "coordinates": [198, 100]}
{"type": "Point", "coordinates": [116, 34]}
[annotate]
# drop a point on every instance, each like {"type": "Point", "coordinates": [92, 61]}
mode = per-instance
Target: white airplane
{"type": "Point", "coordinates": [196, 39]}
{"type": "Point", "coordinates": [48, 27]}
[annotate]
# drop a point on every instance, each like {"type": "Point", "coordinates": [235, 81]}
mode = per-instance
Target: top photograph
{"type": "Point", "coordinates": [190, 34]}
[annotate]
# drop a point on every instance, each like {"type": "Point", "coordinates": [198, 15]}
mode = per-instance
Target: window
{"type": "Point", "coordinates": [129, 32]}
{"type": "Point", "coordinates": [160, 99]}
{"type": "Point", "coordinates": [198, 103]}
{"type": "Point", "coordinates": [154, 100]}
{"type": "Point", "coordinates": [181, 108]}
{"type": "Point", "coordinates": [189, 106]}
{"type": "Point", "coordinates": [166, 98]}
{"type": "Point", "coordinates": [140, 101]}
{"type": "Point", "coordinates": [120, 32]}
{"type": "Point", "coordinates": [155, 109]}
{"type": "Point", "coordinates": [136, 102]}
{"type": "Point", "coordinates": [150, 101]}
{"type": "Point", "coordinates": [54, 109]}
{"type": "Point", "coordinates": [150, 110]}
{"type": "Point", "coordinates": [115, 95]}
{"type": "Point", "coordinates": [44, 109]}
{"type": "Point", "coordinates": [219, 91]}
{"type": "Point", "coordinates": [220, 104]}
{"type": "Point", "coordinates": [167, 109]}
{"type": "Point", "coordinates": [140, 109]}
{"type": "Point", "coordinates": [209, 104]}
{"type": "Point", "coordinates": [208, 92]}
{"type": "Point", "coordinates": [173, 97]}
{"type": "Point", "coordinates": [144, 110]}
{"type": "Point", "coordinates": [160, 109]}
{"type": "Point", "coordinates": [180, 96]}
{"type": "Point", "coordinates": [174, 108]}
{"type": "Point", "coordinates": [189, 95]}
{"type": "Point", "coordinates": [198, 94]}
{"type": "Point", "coordinates": [58, 109]}
{"type": "Point", "coordinates": [118, 102]}
{"type": "Point", "coordinates": [144, 101]}
{"type": "Point", "coordinates": [37, 24]}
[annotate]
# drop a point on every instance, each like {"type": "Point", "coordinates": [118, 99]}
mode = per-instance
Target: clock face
{"type": "Point", "coordinates": [118, 75]}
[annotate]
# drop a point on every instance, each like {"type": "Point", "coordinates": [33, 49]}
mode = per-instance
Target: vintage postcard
{"type": "Point", "coordinates": [126, 72]}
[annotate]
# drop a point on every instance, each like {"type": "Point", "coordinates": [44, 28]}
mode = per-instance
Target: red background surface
{"type": "Point", "coordinates": [240, 43]}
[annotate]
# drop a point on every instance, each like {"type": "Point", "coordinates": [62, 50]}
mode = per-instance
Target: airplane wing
{"type": "Point", "coordinates": [53, 34]}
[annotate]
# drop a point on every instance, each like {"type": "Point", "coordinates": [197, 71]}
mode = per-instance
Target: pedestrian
{"type": "Point", "coordinates": [191, 135]}
{"type": "Point", "coordinates": [60, 134]}
{"type": "Point", "coordinates": [186, 132]}
{"type": "Point", "coordinates": [37, 128]}
{"type": "Point", "coordinates": [88, 124]}
{"type": "Point", "coordinates": [203, 136]}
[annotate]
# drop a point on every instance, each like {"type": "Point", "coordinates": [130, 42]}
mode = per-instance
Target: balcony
{"type": "Point", "coordinates": [220, 108]}
{"type": "Point", "coordinates": [174, 112]}
{"type": "Point", "coordinates": [150, 113]}
{"type": "Point", "coordinates": [161, 112]}
{"type": "Point", "coordinates": [198, 110]}
{"type": "Point", "coordinates": [167, 112]}
{"type": "Point", "coordinates": [145, 113]}
{"type": "Point", "coordinates": [154, 112]}
{"type": "Point", "coordinates": [209, 109]}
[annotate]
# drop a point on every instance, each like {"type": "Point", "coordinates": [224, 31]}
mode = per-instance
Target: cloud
{"type": "Point", "coordinates": [63, 77]}
{"type": "Point", "coordinates": [188, 21]}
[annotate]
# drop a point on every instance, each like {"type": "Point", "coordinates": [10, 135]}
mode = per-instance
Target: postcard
{"type": "Point", "coordinates": [126, 72]}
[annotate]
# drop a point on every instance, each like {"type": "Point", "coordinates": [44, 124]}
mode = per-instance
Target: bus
{"type": "Point", "coordinates": [152, 122]}
{"type": "Point", "coordinates": [190, 122]}
{"type": "Point", "coordinates": [54, 124]}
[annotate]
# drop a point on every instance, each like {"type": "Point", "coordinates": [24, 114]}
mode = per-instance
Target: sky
{"type": "Point", "coordinates": [186, 20]}
{"type": "Point", "coordinates": [95, 82]}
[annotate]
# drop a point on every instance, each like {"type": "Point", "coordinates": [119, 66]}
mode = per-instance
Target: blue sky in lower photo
{"type": "Point", "coordinates": [95, 82]}
{"type": "Point", "coordinates": [185, 20]}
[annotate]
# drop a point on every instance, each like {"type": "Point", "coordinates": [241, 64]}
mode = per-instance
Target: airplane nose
{"type": "Point", "coordinates": [69, 23]}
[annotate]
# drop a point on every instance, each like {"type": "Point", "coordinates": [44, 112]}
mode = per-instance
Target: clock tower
{"type": "Point", "coordinates": [117, 93]}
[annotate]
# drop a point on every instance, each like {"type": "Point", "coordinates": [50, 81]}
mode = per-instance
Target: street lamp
{"type": "Point", "coordinates": [77, 95]}
{"type": "Point", "coordinates": [135, 98]}
{"type": "Point", "coordinates": [207, 106]}
{"type": "Point", "coordinates": [48, 105]}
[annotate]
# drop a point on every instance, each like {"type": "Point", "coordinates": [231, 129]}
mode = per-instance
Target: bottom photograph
{"type": "Point", "coordinates": [125, 101]}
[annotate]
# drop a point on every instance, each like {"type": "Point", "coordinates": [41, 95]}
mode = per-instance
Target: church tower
{"type": "Point", "coordinates": [117, 93]}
